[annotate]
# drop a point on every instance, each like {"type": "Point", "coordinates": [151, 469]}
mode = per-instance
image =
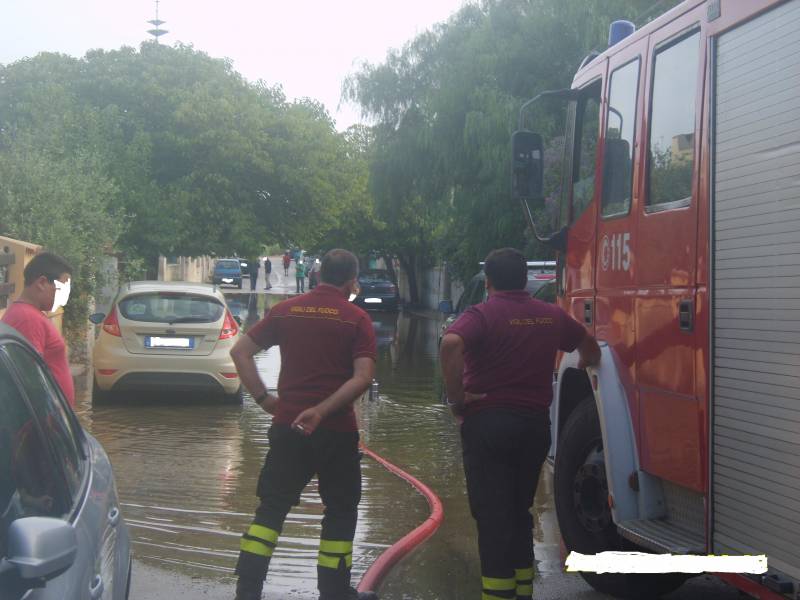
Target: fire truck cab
{"type": "Point", "coordinates": [679, 249]}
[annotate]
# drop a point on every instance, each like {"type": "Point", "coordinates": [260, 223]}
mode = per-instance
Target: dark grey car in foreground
{"type": "Point", "coordinates": [62, 535]}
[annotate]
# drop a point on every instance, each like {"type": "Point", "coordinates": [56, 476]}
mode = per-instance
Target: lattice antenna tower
{"type": "Point", "coordinates": [157, 32]}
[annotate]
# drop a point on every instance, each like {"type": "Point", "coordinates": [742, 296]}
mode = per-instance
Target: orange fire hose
{"type": "Point", "coordinates": [378, 571]}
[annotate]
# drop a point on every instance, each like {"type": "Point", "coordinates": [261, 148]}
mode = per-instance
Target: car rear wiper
{"type": "Point", "coordinates": [189, 320]}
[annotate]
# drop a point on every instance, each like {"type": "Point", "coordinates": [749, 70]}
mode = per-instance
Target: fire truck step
{"type": "Point", "coordinates": [661, 535]}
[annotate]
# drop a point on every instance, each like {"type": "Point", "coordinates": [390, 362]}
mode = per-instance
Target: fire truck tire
{"type": "Point", "coordinates": [584, 517]}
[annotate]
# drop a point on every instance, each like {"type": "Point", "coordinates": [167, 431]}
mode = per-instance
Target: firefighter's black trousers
{"type": "Point", "coordinates": [503, 455]}
{"type": "Point", "coordinates": [293, 459]}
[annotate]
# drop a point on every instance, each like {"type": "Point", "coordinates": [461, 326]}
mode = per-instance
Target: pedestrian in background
{"type": "Point", "coordinates": [300, 276]}
{"type": "Point", "coordinates": [327, 345]}
{"type": "Point", "coordinates": [313, 274]}
{"type": "Point", "coordinates": [287, 260]}
{"type": "Point", "coordinates": [47, 286]}
{"type": "Point", "coordinates": [254, 266]}
{"type": "Point", "coordinates": [267, 272]}
{"type": "Point", "coordinates": [497, 360]}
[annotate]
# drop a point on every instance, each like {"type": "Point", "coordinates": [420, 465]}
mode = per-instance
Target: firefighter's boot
{"type": "Point", "coordinates": [498, 588]}
{"type": "Point", "coordinates": [255, 553]}
{"type": "Point", "coordinates": [248, 589]}
{"type": "Point", "coordinates": [524, 578]}
{"type": "Point", "coordinates": [333, 572]}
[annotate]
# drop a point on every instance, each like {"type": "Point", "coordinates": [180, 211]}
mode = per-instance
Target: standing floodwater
{"type": "Point", "coordinates": [187, 469]}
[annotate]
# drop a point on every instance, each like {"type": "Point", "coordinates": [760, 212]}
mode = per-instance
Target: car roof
{"type": "Point", "coordinates": [138, 287]}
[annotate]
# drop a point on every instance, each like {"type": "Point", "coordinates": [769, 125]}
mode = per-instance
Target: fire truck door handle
{"type": "Point", "coordinates": [588, 310]}
{"type": "Point", "coordinates": [686, 315]}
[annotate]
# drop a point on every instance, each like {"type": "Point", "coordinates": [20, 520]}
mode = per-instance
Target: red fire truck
{"type": "Point", "coordinates": [679, 248]}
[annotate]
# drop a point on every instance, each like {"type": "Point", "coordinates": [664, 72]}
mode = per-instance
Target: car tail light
{"type": "Point", "coordinates": [106, 371]}
{"type": "Point", "coordinates": [392, 288]}
{"type": "Point", "coordinates": [230, 375]}
{"type": "Point", "coordinates": [229, 326]}
{"type": "Point", "coordinates": [111, 324]}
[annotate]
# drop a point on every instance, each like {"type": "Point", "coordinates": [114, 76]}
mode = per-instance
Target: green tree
{"type": "Point", "coordinates": [445, 106]}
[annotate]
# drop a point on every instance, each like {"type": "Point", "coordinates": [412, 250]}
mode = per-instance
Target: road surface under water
{"type": "Point", "coordinates": [187, 467]}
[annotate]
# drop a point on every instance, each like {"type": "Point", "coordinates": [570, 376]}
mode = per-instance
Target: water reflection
{"type": "Point", "coordinates": [248, 307]}
{"type": "Point", "coordinates": [187, 468]}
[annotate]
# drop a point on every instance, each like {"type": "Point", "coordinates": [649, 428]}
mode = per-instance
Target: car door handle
{"type": "Point", "coordinates": [686, 315]}
{"type": "Point", "coordinates": [96, 588]}
{"type": "Point", "coordinates": [113, 516]}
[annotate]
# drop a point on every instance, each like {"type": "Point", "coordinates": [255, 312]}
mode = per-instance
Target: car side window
{"type": "Point", "coordinates": [29, 482]}
{"type": "Point", "coordinates": [57, 424]}
{"type": "Point", "coordinates": [473, 294]}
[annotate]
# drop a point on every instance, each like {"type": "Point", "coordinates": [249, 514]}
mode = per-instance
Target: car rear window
{"type": "Point", "coordinates": [171, 307]}
{"type": "Point", "coordinates": [374, 277]}
{"type": "Point", "coordinates": [228, 264]}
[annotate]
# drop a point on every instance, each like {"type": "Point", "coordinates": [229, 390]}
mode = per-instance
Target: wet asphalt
{"type": "Point", "coordinates": [186, 470]}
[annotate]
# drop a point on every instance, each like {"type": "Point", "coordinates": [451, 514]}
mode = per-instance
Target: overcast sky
{"type": "Point", "coordinates": [309, 47]}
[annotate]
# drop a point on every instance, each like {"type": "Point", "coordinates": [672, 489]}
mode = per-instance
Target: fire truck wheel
{"type": "Point", "coordinates": [584, 517]}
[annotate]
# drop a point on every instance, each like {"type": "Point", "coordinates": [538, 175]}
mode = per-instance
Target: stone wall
{"type": "Point", "coordinates": [197, 269]}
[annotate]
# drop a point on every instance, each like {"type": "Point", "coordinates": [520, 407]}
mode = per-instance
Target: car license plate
{"type": "Point", "coordinates": [372, 300]}
{"type": "Point", "coordinates": [181, 343]}
{"type": "Point", "coordinates": [227, 280]}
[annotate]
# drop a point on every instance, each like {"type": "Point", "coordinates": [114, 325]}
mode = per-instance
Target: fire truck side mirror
{"type": "Point", "coordinates": [527, 163]}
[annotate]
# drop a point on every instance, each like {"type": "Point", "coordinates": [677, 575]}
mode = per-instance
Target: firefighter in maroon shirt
{"type": "Point", "coordinates": [498, 360]}
{"type": "Point", "coordinates": [314, 428]}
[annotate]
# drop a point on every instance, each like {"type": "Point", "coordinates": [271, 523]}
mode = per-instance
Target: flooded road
{"type": "Point", "coordinates": [187, 467]}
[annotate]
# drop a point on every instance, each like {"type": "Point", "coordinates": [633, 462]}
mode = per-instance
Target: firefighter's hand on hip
{"type": "Point", "coordinates": [307, 421]}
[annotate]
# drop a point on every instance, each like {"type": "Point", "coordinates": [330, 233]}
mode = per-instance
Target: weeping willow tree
{"type": "Point", "coordinates": [444, 107]}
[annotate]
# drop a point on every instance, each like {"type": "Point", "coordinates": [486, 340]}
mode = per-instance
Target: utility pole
{"type": "Point", "coordinates": [157, 32]}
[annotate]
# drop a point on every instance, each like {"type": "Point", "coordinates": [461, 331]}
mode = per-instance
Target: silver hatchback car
{"type": "Point", "coordinates": [62, 535]}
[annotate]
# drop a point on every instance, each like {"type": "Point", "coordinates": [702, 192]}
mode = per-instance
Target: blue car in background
{"type": "Point", "coordinates": [62, 536]}
{"type": "Point", "coordinates": [227, 271]}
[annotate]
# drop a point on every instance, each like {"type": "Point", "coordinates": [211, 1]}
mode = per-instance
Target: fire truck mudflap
{"type": "Point", "coordinates": [755, 333]}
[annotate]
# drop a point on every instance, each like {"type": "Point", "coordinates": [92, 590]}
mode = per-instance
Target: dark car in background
{"type": "Point", "coordinates": [62, 535]}
{"type": "Point", "coordinates": [227, 271]}
{"type": "Point", "coordinates": [541, 285]}
{"type": "Point", "coordinates": [541, 278]}
{"type": "Point", "coordinates": [377, 290]}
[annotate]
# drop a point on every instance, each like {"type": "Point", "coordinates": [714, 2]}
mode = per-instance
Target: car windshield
{"type": "Point", "coordinates": [171, 307]}
{"type": "Point", "coordinates": [547, 292]}
{"type": "Point", "coordinates": [374, 277]}
{"type": "Point", "coordinates": [228, 264]}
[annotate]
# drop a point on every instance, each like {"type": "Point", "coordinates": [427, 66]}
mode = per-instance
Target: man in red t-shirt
{"type": "Point", "coordinates": [497, 360]}
{"type": "Point", "coordinates": [47, 285]}
{"type": "Point", "coordinates": [327, 361]}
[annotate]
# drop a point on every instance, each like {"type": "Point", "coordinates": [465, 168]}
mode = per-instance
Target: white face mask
{"type": "Point", "coordinates": [62, 294]}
